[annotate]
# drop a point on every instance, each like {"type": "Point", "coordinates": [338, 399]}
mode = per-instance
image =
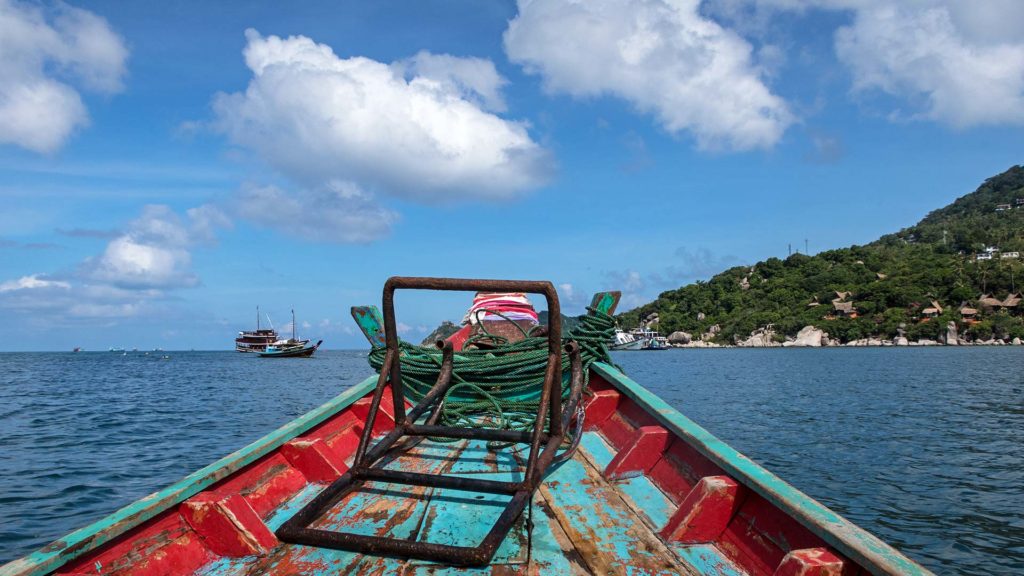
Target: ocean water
{"type": "Point", "coordinates": [923, 447]}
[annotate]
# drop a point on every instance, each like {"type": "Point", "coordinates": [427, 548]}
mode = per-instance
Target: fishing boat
{"type": "Point", "coordinates": [256, 340]}
{"type": "Point", "coordinates": [386, 479]}
{"type": "Point", "coordinates": [291, 348]}
{"type": "Point", "coordinates": [291, 351]}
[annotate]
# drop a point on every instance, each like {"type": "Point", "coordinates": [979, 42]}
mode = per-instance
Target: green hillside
{"type": "Point", "coordinates": [892, 282]}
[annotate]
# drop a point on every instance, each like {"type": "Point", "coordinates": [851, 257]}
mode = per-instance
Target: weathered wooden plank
{"type": "Point", "coordinates": [370, 323]}
{"type": "Point", "coordinates": [606, 301]}
{"type": "Point", "coordinates": [54, 555]}
{"type": "Point", "coordinates": [706, 559]}
{"type": "Point", "coordinates": [610, 537]}
{"type": "Point", "coordinates": [848, 538]}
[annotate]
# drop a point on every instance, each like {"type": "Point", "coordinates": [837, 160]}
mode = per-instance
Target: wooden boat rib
{"type": "Point", "coordinates": [648, 492]}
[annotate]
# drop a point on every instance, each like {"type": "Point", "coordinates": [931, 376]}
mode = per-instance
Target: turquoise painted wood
{"type": "Point", "coordinates": [606, 302]}
{"type": "Point", "coordinates": [846, 537]}
{"type": "Point", "coordinates": [707, 559]}
{"type": "Point", "coordinates": [370, 323]}
{"type": "Point", "coordinates": [81, 541]}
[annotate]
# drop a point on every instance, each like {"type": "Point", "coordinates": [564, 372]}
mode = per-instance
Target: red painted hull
{"type": "Point", "coordinates": [716, 511]}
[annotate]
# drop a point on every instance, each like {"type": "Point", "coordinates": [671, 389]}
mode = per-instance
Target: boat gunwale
{"type": "Point", "coordinates": [84, 540]}
{"type": "Point", "coordinates": [851, 540]}
{"type": "Point", "coordinates": [846, 537]}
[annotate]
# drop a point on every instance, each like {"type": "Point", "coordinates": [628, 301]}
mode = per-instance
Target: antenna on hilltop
{"type": "Point", "coordinates": [806, 252]}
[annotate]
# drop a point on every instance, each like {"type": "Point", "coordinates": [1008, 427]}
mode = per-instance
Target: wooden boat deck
{"type": "Point", "coordinates": [582, 523]}
{"type": "Point", "coordinates": [648, 492]}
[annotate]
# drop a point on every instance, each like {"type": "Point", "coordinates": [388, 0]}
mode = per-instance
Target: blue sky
{"type": "Point", "coordinates": [164, 171]}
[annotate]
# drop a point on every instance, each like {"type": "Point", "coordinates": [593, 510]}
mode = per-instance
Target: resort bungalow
{"type": "Point", "coordinates": [1010, 255]}
{"type": "Point", "coordinates": [1012, 301]}
{"type": "Point", "coordinates": [844, 309]}
{"type": "Point", "coordinates": [969, 314]}
{"type": "Point", "coordinates": [989, 303]}
{"type": "Point", "coordinates": [1002, 207]}
{"type": "Point", "coordinates": [1019, 202]}
{"type": "Point", "coordinates": [983, 256]}
{"type": "Point", "coordinates": [932, 311]}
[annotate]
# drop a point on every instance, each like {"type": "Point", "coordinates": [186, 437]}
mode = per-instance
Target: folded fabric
{"type": "Point", "coordinates": [514, 306]}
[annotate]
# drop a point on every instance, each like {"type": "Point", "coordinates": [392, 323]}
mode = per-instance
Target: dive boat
{"type": "Point", "coordinates": [256, 340]}
{"type": "Point", "coordinates": [372, 482]}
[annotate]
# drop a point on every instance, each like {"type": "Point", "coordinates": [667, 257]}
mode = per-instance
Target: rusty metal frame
{"type": "Point", "coordinates": [296, 530]}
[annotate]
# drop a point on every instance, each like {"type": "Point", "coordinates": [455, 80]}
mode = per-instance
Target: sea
{"type": "Point", "coordinates": [924, 447]}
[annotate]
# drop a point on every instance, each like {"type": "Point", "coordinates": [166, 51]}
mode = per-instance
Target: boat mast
{"type": "Point", "coordinates": [257, 317]}
{"type": "Point", "coordinates": [293, 323]}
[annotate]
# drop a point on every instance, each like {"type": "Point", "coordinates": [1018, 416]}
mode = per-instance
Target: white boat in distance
{"type": "Point", "coordinates": [638, 339]}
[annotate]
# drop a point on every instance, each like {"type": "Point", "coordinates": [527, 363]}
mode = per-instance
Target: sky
{"type": "Point", "coordinates": [167, 167]}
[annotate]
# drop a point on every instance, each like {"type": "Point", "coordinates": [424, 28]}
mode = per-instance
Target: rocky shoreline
{"type": "Point", "coordinates": [812, 337]}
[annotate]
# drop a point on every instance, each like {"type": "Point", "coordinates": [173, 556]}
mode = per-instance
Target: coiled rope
{"type": "Point", "coordinates": [499, 387]}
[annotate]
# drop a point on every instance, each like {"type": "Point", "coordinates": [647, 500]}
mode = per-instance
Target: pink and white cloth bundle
{"type": "Point", "coordinates": [512, 305]}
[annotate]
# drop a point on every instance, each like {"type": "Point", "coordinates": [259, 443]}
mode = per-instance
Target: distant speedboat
{"type": "Point", "coordinates": [77, 349]}
{"type": "Point", "coordinates": [257, 340]}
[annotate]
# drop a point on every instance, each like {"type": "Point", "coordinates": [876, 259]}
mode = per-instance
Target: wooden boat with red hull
{"type": "Point", "coordinates": [648, 491]}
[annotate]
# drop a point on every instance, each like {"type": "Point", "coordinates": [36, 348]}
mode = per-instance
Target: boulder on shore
{"type": "Point", "coordinates": [762, 338]}
{"type": "Point", "coordinates": [901, 341]}
{"type": "Point", "coordinates": [807, 336]}
{"type": "Point", "coordinates": [1015, 342]}
{"type": "Point", "coordinates": [679, 337]}
{"type": "Point", "coordinates": [951, 336]}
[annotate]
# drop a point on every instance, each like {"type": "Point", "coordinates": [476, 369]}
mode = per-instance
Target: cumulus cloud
{"type": "Point", "coordinates": [476, 79]}
{"type": "Point", "coordinates": [334, 212]}
{"type": "Point", "coordinates": [663, 57]}
{"type": "Point", "coordinates": [958, 63]}
{"type": "Point", "coordinates": [414, 129]}
{"type": "Point", "coordinates": [46, 54]}
{"type": "Point", "coordinates": [939, 58]}
{"type": "Point", "coordinates": [138, 269]}
{"type": "Point", "coordinates": [154, 251]}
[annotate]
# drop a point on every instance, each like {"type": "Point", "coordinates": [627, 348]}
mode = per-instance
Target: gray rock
{"type": "Point", "coordinates": [901, 341]}
{"type": "Point", "coordinates": [1015, 342]}
{"type": "Point", "coordinates": [951, 336]}
{"type": "Point", "coordinates": [679, 337]}
{"type": "Point", "coordinates": [807, 336]}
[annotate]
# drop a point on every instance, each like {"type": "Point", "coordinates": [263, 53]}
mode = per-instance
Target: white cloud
{"type": "Point", "coordinates": [44, 55]}
{"type": "Point", "coordinates": [32, 282]}
{"type": "Point", "coordinates": [937, 57]}
{"type": "Point", "coordinates": [414, 129]}
{"type": "Point", "coordinates": [476, 79]}
{"type": "Point", "coordinates": [154, 252]}
{"type": "Point", "coordinates": [955, 62]}
{"type": "Point", "coordinates": [665, 58]}
{"type": "Point", "coordinates": [335, 212]}
{"type": "Point", "coordinates": [137, 271]}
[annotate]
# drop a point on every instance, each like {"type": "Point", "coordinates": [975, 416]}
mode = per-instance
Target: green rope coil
{"type": "Point", "coordinates": [501, 386]}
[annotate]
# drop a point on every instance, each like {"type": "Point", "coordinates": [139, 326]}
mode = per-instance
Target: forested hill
{"type": "Point", "coordinates": [878, 289]}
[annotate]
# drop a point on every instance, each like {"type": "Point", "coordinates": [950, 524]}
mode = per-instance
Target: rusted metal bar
{"type": "Point", "coordinates": [489, 434]}
{"type": "Point", "coordinates": [550, 434]}
{"type": "Point", "coordinates": [439, 481]}
{"type": "Point", "coordinates": [371, 417]}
